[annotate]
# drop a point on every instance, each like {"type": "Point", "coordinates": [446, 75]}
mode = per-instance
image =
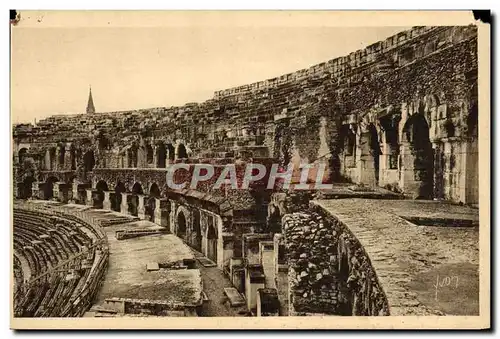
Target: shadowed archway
{"type": "Point", "coordinates": [48, 191]}
{"type": "Point", "coordinates": [134, 200]}
{"type": "Point", "coordinates": [212, 238]}
{"type": "Point", "coordinates": [419, 159]}
{"type": "Point", "coordinates": [154, 193]}
{"type": "Point", "coordinates": [99, 195]}
{"type": "Point", "coordinates": [181, 225]}
{"type": "Point", "coordinates": [117, 201]}
{"type": "Point", "coordinates": [181, 152]}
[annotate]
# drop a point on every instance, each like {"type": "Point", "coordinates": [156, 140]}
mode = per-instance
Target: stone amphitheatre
{"type": "Point", "coordinates": [97, 232]}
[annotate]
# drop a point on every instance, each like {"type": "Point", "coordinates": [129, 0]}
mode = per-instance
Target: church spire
{"type": "Point", "coordinates": [90, 104]}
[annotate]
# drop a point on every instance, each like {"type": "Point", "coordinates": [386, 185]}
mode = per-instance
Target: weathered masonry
{"type": "Point", "coordinates": [401, 114]}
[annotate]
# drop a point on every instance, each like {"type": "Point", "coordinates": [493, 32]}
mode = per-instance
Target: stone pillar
{"type": "Point", "coordinates": [108, 195]}
{"type": "Point", "coordinates": [407, 180]}
{"type": "Point", "coordinates": [162, 212]}
{"type": "Point", "coordinates": [383, 165]}
{"type": "Point", "coordinates": [266, 249]}
{"type": "Point", "coordinates": [79, 192]}
{"type": "Point", "coordinates": [67, 158]}
{"type": "Point", "coordinates": [89, 201]}
{"type": "Point", "coordinates": [173, 208]}
{"type": "Point", "coordinates": [56, 165]}
{"type": "Point", "coordinates": [155, 159]}
{"type": "Point", "coordinates": [75, 192]}
{"type": "Point", "coordinates": [125, 200]}
{"type": "Point", "coordinates": [18, 189]}
{"type": "Point", "coordinates": [55, 191]}
{"type": "Point", "coordinates": [141, 210]}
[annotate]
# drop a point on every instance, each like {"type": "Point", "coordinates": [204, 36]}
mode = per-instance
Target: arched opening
{"type": "Point", "coordinates": [370, 155]}
{"type": "Point", "coordinates": [154, 193]}
{"type": "Point", "coordinates": [149, 154]}
{"type": "Point", "coordinates": [99, 195]}
{"type": "Point", "coordinates": [62, 154]}
{"type": "Point", "coordinates": [181, 152]}
{"type": "Point", "coordinates": [72, 157]}
{"type": "Point", "coordinates": [347, 143]}
{"type": "Point", "coordinates": [133, 206]}
{"type": "Point", "coordinates": [117, 201]}
{"type": "Point", "coordinates": [181, 225]}
{"type": "Point", "coordinates": [21, 155]}
{"type": "Point", "coordinates": [212, 237]}
{"type": "Point", "coordinates": [196, 234]}
{"type": "Point", "coordinates": [171, 152]}
{"type": "Point", "coordinates": [419, 160]}
{"type": "Point", "coordinates": [142, 155]}
{"type": "Point", "coordinates": [274, 219]}
{"type": "Point", "coordinates": [48, 190]}
{"type": "Point", "coordinates": [132, 156]}
{"type": "Point", "coordinates": [390, 124]}
{"type": "Point", "coordinates": [27, 187]}
{"type": "Point", "coordinates": [88, 161]}
{"type": "Point", "coordinates": [161, 155]}
{"type": "Point", "coordinates": [52, 158]}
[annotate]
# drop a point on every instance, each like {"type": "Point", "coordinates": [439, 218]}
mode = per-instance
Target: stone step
{"type": "Point", "coordinates": [235, 298]}
{"type": "Point", "coordinates": [206, 262]}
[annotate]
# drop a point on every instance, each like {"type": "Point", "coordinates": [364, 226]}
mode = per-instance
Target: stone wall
{"type": "Point", "coordinates": [329, 271]}
{"type": "Point", "coordinates": [297, 118]}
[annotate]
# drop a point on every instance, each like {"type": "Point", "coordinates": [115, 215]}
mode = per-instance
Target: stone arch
{"type": "Point", "coordinates": [170, 152]}
{"type": "Point", "coordinates": [132, 153]}
{"type": "Point", "coordinates": [154, 193]}
{"type": "Point", "coordinates": [181, 224]}
{"type": "Point", "coordinates": [21, 155]}
{"type": "Point", "coordinates": [196, 235]}
{"type": "Point", "coordinates": [418, 161]}
{"type": "Point", "coordinates": [72, 157]}
{"type": "Point", "coordinates": [181, 152]}
{"type": "Point", "coordinates": [62, 155]}
{"type": "Point", "coordinates": [161, 155]}
{"type": "Point", "coordinates": [119, 189]}
{"type": "Point", "coordinates": [149, 154]}
{"type": "Point", "coordinates": [274, 218]}
{"type": "Point", "coordinates": [212, 239]}
{"type": "Point", "coordinates": [472, 121]}
{"type": "Point", "coordinates": [134, 199]}
{"type": "Point", "coordinates": [101, 186]}
{"type": "Point", "coordinates": [88, 161]}
{"type": "Point", "coordinates": [390, 127]}
{"type": "Point", "coordinates": [48, 190]}
{"type": "Point", "coordinates": [141, 156]}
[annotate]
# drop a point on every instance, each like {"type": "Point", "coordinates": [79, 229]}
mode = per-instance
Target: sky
{"type": "Point", "coordinates": [143, 67]}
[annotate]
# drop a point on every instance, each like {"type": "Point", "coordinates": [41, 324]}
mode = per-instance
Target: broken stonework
{"type": "Point", "coordinates": [329, 271]}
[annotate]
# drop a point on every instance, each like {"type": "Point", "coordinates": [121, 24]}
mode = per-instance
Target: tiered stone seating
{"type": "Point", "coordinates": [67, 258]}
